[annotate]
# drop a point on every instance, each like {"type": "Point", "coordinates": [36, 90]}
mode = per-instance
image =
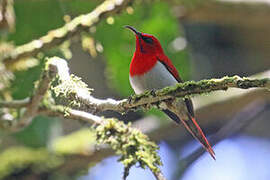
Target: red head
{"type": "Point", "coordinates": [146, 43]}
{"type": "Point", "coordinates": [148, 52]}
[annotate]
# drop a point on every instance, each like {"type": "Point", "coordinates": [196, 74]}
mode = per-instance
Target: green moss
{"type": "Point", "coordinates": [248, 83]}
{"type": "Point", "coordinates": [18, 159]}
{"type": "Point", "coordinates": [191, 88]}
{"type": "Point", "coordinates": [132, 145]}
{"type": "Point", "coordinates": [70, 87]}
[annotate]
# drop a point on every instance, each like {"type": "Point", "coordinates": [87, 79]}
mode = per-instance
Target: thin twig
{"type": "Point", "coordinates": [59, 111]}
{"type": "Point", "coordinates": [159, 175]}
{"type": "Point", "coordinates": [15, 103]}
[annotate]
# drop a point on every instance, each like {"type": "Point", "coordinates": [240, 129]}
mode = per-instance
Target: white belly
{"type": "Point", "coordinates": [157, 78]}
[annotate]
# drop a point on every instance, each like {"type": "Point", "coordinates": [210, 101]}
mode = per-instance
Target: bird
{"type": "Point", "coordinates": [150, 69]}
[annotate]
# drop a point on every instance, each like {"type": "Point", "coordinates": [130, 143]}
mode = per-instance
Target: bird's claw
{"type": "Point", "coordinates": [129, 99]}
{"type": "Point", "coordinates": [153, 92]}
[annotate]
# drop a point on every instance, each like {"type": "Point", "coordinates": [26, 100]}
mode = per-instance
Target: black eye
{"type": "Point", "coordinates": [147, 39]}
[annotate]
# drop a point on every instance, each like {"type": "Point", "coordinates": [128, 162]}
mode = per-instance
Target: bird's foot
{"type": "Point", "coordinates": [130, 99]}
{"type": "Point", "coordinates": [153, 92]}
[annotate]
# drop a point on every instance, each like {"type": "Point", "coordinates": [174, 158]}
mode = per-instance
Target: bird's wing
{"type": "Point", "coordinates": [190, 123]}
{"type": "Point", "coordinates": [169, 66]}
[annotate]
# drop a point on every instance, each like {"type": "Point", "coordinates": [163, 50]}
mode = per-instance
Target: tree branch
{"type": "Point", "coordinates": [192, 88]}
{"type": "Point", "coordinates": [65, 112]}
{"type": "Point", "coordinates": [150, 98]}
{"type": "Point", "coordinates": [79, 93]}
{"type": "Point", "coordinates": [155, 98]}
{"type": "Point", "coordinates": [58, 36]}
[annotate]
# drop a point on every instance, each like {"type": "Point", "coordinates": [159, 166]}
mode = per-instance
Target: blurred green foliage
{"type": "Point", "coordinates": [18, 160]}
{"type": "Point", "coordinates": [38, 132]}
{"type": "Point", "coordinates": [36, 18]}
{"type": "Point", "coordinates": [75, 143]}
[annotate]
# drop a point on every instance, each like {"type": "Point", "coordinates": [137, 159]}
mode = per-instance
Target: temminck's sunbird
{"type": "Point", "coordinates": [151, 69]}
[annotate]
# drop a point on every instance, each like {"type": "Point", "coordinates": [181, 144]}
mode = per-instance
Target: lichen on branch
{"type": "Point", "coordinates": [71, 89]}
{"type": "Point", "coordinates": [132, 145]}
{"type": "Point", "coordinates": [191, 88]}
{"type": "Point", "coordinates": [151, 99]}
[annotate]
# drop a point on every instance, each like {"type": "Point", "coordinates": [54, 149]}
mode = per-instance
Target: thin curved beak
{"type": "Point", "coordinates": [133, 30]}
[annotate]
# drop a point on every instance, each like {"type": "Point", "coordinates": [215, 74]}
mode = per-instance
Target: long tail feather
{"type": "Point", "coordinates": [193, 127]}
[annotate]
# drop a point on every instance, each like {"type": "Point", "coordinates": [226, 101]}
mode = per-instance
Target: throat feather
{"type": "Point", "coordinates": [141, 64]}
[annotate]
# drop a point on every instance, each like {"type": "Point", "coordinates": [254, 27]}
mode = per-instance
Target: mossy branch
{"type": "Point", "coordinates": [155, 98]}
{"type": "Point", "coordinates": [190, 88]}
{"type": "Point", "coordinates": [57, 36]}
{"type": "Point", "coordinates": [72, 89]}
